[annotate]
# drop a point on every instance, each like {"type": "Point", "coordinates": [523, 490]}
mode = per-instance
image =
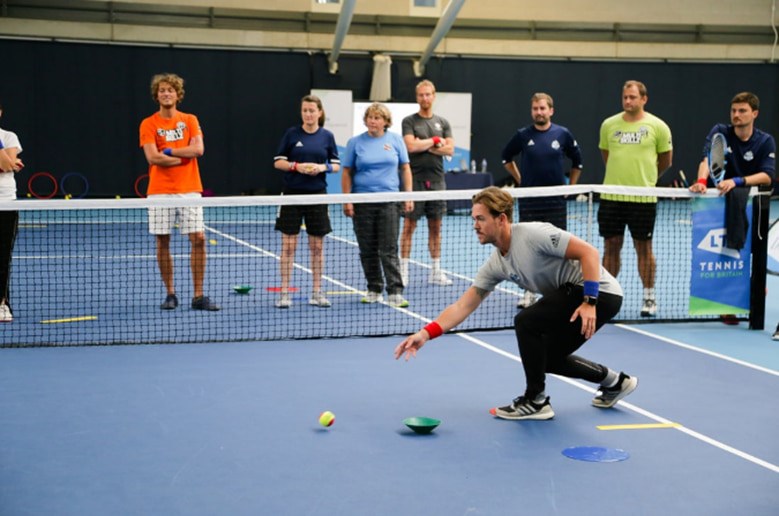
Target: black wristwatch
{"type": "Point", "coordinates": [590, 300]}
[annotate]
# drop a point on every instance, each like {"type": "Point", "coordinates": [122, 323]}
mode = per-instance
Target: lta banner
{"type": "Point", "coordinates": [720, 275]}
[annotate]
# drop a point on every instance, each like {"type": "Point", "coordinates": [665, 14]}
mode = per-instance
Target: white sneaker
{"type": "Point", "coordinates": [397, 300]}
{"type": "Point", "coordinates": [404, 273]}
{"type": "Point", "coordinates": [284, 301]}
{"type": "Point", "coordinates": [649, 308]}
{"type": "Point", "coordinates": [608, 396]}
{"type": "Point", "coordinates": [319, 299]}
{"type": "Point", "coordinates": [5, 313]}
{"type": "Point", "coordinates": [372, 297]}
{"type": "Point", "coordinates": [527, 299]}
{"type": "Point", "coordinates": [439, 278]}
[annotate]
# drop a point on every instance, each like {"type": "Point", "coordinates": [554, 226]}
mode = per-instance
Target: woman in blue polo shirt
{"type": "Point", "coordinates": [377, 161]}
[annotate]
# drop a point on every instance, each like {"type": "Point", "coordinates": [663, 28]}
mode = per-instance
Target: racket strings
{"type": "Point", "coordinates": [717, 157]}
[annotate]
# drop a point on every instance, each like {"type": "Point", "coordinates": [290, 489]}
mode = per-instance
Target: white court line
{"type": "Point", "coordinates": [650, 415]}
{"type": "Point", "coordinates": [277, 257]}
{"type": "Point", "coordinates": [699, 350]}
{"type": "Point", "coordinates": [426, 266]}
{"type": "Point", "coordinates": [125, 256]}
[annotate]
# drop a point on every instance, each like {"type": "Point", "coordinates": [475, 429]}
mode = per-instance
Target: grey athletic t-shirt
{"type": "Point", "coordinates": [426, 166]}
{"type": "Point", "coordinates": [536, 262]}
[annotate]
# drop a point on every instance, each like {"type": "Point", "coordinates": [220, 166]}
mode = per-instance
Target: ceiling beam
{"type": "Point", "coordinates": [341, 28]}
{"type": "Point", "coordinates": [441, 29]}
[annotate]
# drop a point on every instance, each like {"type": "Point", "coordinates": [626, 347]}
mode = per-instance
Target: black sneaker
{"type": "Point", "coordinates": [203, 303]}
{"type": "Point", "coordinates": [609, 396]}
{"type": "Point", "coordinates": [523, 408]}
{"type": "Point", "coordinates": [171, 302]}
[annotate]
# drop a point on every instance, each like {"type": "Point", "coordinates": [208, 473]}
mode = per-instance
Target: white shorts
{"type": "Point", "coordinates": [163, 220]}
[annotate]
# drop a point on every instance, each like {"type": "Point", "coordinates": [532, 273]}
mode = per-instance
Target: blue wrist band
{"type": "Point", "coordinates": [167, 152]}
{"type": "Point", "coordinates": [739, 181]}
{"type": "Point", "coordinates": [1, 145]}
{"type": "Point", "coordinates": [329, 167]}
{"type": "Point", "coordinates": [591, 288]}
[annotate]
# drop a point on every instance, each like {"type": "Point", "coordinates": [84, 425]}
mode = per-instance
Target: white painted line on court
{"type": "Point", "coordinates": [650, 415]}
{"type": "Point", "coordinates": [450, 273]}
{"type": "Point", "coordinates": [699, 350]}
{"type": "Point", "coordinates": [692, 433]}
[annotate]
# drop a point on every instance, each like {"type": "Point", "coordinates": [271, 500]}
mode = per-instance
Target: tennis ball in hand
{"type": "Point", "coordinates": [327, 418]}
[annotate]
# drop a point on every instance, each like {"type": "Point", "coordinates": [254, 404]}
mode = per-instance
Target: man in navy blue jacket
{"type": "Point", "coordinates": [542, 148]}
{"type": "Point", "coordinates": [751, 156]}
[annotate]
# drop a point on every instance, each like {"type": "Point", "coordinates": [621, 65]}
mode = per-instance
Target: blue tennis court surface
{"type": "Point", "coordinates": [232, 429]}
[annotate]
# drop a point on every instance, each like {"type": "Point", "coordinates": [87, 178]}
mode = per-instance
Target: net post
{"type": "Point", "coordinates": [589, 216]}
{"type": "Point", "coordinates": [760, 216]}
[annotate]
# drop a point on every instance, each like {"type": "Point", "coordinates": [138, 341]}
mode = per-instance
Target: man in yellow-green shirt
{"type": "Point", "coordinates": [636, 147]}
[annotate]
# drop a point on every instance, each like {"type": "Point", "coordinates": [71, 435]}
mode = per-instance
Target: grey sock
{"type": "Point", "coordinates": [612, 377]}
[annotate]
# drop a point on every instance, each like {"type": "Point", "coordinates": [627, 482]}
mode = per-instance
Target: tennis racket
{"type": "Point", "coordinates": [717, 154]}
{"type": "Point", "coordinates": [684, 179]}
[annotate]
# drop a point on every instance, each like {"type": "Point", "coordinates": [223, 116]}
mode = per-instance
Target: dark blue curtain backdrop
{"type": "Point", "coordinates": [77, 107]}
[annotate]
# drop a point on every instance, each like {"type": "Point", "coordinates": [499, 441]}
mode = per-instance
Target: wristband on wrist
{"type": "Point", "coordinates": [1, 145]}
{"type": "Point", "coordinates": [167, 151]}
{"type": "Point", "coordinates": [436, 140]}
{"type": "Point", "coordinates": [434, 330]}
{"type": "Point", "coordinates": [591, 288]}
{"type": "Point", "coordinates": [701, 181]}
{"type": "Point", "coordinates": [328, 167]}
{"type": "Point", "coordinates": [293, 166]}
{"type": "Point", "coordinates": [739, 181]}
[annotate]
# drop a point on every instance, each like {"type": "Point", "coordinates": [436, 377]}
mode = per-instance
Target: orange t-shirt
{"type": "Point", "coordinates": [174, 133]}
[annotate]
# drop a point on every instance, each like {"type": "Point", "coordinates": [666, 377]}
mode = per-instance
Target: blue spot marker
{"type": "Point", "coordinates": [596, 454]}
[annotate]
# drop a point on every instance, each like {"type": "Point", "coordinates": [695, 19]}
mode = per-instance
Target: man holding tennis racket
{"type": "Point", "coordinates": [737, 154]}
{"type": "Point", "coordinates": [579, 296]}
{"type": "Point", "coordinates": [172, 141]}
{"type": "Point", "coordinates": [636, 148]}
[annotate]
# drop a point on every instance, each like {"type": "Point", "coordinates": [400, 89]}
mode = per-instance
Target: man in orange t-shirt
{"type": "Point", "coordinates": [172, 141]}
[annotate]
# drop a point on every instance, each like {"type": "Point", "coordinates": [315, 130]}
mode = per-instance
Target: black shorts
{"type": "Point", "coordinates": [639, 217]}
{"type": "Point", "coordinates": [315, 216]}
{"type": "Point", "coordinates": [430, 209]}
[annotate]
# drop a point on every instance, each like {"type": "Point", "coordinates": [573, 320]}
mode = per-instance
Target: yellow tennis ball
{"type": "Point", "coordinates": [212, 242]}
{"type": "Point", "coordinates": [29, 195]}
{"type": "Point", "coordinates": [327, 418]}
{"type": "Point", "coordinates": [118, 196]}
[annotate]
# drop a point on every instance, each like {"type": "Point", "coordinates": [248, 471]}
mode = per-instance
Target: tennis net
{"type": "Point", "coordinates": [85, 271]}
